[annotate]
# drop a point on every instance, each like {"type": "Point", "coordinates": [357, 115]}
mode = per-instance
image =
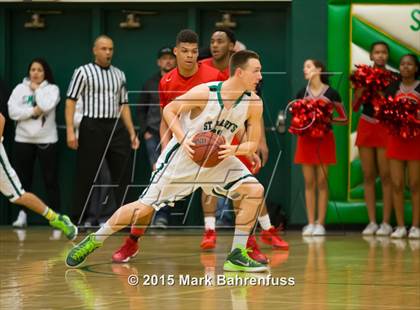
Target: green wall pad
{"type": "Point", "coordinates": [339, 212]}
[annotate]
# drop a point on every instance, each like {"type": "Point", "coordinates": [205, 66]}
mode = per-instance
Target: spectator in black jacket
{"type": "Point", "coordinates": [149, 109]}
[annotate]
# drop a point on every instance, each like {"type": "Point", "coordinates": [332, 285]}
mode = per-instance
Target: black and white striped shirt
{"type": "Point", "coordinates": [102, 90]}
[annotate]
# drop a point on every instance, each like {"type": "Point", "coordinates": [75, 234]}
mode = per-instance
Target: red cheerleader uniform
{"type": "Point", "coordinates": [370, 132]}
{"type": "Point", "coordinates": [315, 151]}
{"type": "Point", "coordinates": [398, 147]}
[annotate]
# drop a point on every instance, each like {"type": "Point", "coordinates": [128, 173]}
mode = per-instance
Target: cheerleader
{"type": "Point", "coordinates": [405, 152]}
{"type": "Point", "coordinates": [371, 141]}
{"type": "Point", "coordinates": [316, 154]}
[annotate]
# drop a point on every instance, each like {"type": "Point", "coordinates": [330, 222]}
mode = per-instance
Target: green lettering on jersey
{"type": "Point", "coordinates": [220, 123]}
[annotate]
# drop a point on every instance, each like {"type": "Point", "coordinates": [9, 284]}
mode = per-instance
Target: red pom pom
{"type": "Point", "coordinates": [311, 117]}
{"type": "Point", "coordinates": [400, 115]}
{"type": "Point", "coordinates": [373, 80]}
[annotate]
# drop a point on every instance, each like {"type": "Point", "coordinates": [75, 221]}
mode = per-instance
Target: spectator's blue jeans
{"type": "Point", "coordinates": [153, 148]}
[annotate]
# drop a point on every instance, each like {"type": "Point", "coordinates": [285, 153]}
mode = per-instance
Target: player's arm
{"type": "Point", "coordinates": [241, 135]}
{"type": "Point", "coordinates": [253, 134]}
{"type": "Point", "coordinates": [2, 123]}
{"type": "Point", "coordinates": [262, 150]}
{"type": "Point", "coordinates": [143, 108]}
{"type": "Point", "coordinates": [194, 99]}
{"type": "Point", "coordinates": [164, 132]}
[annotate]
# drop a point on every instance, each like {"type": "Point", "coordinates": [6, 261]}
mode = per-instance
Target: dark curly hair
{"type": "Point", "coordinates": [186, 36]}
{"type": "Point", "coordinates": [47, 70]}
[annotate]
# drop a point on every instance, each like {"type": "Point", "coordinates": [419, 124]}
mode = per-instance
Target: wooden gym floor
{"type": "Point", "coordinates": [340, 271]}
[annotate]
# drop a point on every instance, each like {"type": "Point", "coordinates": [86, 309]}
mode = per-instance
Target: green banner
{"type": "Point", "coordinates": [338, 61]}
{"type": "Point", "coordinates": [346, 203]}
{"type": "Point", "coordinates": [364, 35]}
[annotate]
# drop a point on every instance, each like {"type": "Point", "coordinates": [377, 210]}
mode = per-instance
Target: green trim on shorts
{"type": "Point", "coordinates": [231, 184]}
{"type": "Point", "coordinates": [9, 177]}
{"type": "Point", "coordinates": [154, 173]}
{"type": "Point", "coordinates": [174, 148]}
{"type": "Point", "coordinates": [218, 194]}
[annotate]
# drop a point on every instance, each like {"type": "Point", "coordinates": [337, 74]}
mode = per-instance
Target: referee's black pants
{"type": "Point", "coordinates": [99, 140]}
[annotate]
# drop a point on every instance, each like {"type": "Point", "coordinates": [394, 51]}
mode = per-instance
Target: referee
{"type": "Point", "coordinates": [102, 136]}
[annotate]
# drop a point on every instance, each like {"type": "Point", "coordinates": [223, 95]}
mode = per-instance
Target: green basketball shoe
{"type": "Point", "coordinates": [80, 252]}
{"type": "Point", "coordinates": [239, 260]}
{"type": "Point", "coordinates": [63, 223]}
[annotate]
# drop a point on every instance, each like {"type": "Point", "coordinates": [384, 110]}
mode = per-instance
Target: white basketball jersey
{"type": "Point", "coordinates": [215, 117]}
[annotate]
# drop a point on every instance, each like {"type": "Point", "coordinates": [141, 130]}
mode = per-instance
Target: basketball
{"type": "Point", "coordinates": [207, 146]}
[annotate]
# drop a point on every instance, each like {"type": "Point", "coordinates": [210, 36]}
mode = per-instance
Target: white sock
{"type": "Point", "coordinates": [45, 211]}
{"type": "Point", "coordinates": [210, 222]}
{"type": "Point", "coordinates": [264, 222]}
{"type": "Point", "coordinates": [103, 233]}
{"type": "Point", "coordinates": [239, 238]}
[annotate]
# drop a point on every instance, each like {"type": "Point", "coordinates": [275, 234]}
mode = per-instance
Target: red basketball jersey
{"type": "Point", "coordinates": [209, 62]}
{"type": "Point", "coordinates": [173, 84]}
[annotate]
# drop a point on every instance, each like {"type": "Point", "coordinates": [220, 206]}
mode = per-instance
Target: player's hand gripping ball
{"type": "Point", "coordinates": [206, 148]}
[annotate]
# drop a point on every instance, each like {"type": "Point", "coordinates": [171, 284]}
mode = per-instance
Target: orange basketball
{"type": "Point", "coordinates": [206, 148]}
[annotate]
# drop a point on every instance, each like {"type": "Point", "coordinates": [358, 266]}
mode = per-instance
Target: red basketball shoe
{"type": "Point", "coordinates": [209, 239]}
{"type": "Point", "coordinates": [256, 253]}
{"type": "Point", "coordinates": [271, 237]}
{"type": "Point", "coordinates": [127, 251]}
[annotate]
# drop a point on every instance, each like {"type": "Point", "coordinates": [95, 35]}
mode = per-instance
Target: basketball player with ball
{"type": "Point", "coordinates": [222, 108]}
{"type": "Point", "coordinates": [188, 74]}
{"type": "Point", "coordinates": [222, 44]}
